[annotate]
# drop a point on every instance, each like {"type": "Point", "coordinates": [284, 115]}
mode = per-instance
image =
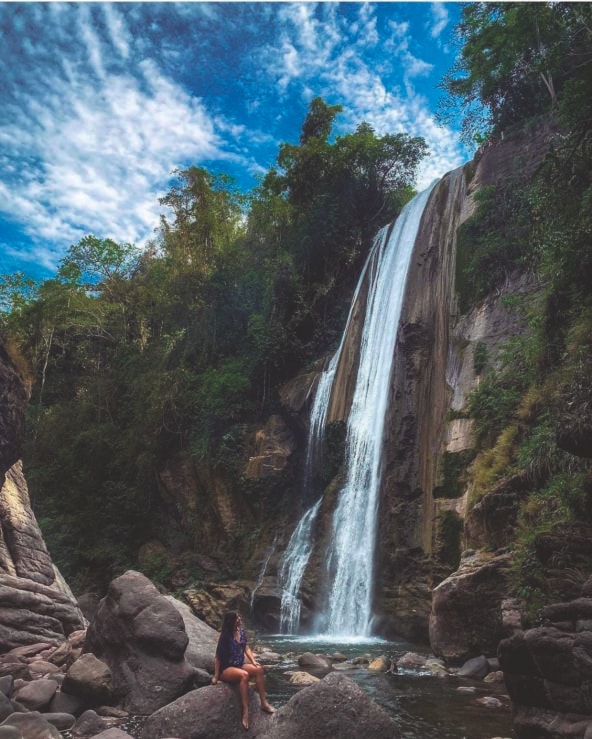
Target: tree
{"type": "Point", "coordinates": [98, 263]}
{"type": "Point", "coordinates": [319, 120]}
{"type": "Point", "coordinates": [513, 62]}
{"type": "Point", "coordinates": [342, 192]}
{"type": "Point", "coordinates": [207, 218]}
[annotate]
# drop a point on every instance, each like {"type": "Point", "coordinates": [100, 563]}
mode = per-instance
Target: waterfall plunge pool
{"type": "Point", "coordinates": [422, 705]}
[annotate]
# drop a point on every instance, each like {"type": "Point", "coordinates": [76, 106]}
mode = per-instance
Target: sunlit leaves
{"type": "Point", "coordinates": [207, 218]}
{"type": "Point", "coordinates": [514, 61]}
{"type": "Point", "coordinates": [97, 262]}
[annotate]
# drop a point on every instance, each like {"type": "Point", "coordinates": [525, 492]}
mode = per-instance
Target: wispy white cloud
{"type": "Point", "coordinates": [439, 19]}
{"type": "Point", "coordinates": [100, 150]}
{"type": "Point", "coordinates": [100, 102]}
{"type": "Point", "coordinates": [327, 57]}
{"type": "Point", "coordinates": [118, 32]}
{"type": "Point", "coordinates": [93, 153]}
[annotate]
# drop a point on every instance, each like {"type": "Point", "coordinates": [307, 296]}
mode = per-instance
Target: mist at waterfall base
{"type": "Point", "coordinates": [423, 706]}
{"type": "Point", "coordinates": [348, 578]}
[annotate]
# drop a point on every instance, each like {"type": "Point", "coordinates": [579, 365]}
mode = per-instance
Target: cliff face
{"type": "Point", "coordinates": [435, 371]}
{"type": "Point", "coordinates": [416, 424]}
{"type": "Point", "coordinates": [36, 605]}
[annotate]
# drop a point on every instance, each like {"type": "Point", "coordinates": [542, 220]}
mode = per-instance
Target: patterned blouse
{"type": "Point", "coordinates": [234, 654]}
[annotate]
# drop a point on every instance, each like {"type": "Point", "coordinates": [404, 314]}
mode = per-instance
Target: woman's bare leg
{"type": "Point", "coordinates": [240, 676]}
{"type": "Point", "coordinates": [256, 671]}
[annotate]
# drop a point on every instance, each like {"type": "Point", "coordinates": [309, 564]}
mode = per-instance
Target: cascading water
{"type": "Point", "coordinates": [292, 569]}
{"type": "Point", "coordinates": [351, 559]}
{"type": "Point", "coordinates": [300, 545]}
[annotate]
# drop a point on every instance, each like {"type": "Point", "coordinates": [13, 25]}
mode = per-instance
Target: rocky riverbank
{"type": "Point", "coordinates": [142, 668]}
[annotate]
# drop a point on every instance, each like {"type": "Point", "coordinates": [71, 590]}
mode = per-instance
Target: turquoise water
{"type": "Point", "coordinates": [423, 706]}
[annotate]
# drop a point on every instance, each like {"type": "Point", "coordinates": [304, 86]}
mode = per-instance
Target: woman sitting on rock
{"type": "Point", "coordinates": [230, 665]}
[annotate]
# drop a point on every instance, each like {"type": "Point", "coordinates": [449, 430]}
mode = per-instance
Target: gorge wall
{"type": "Point", "coordinates": [434, 373]}
{"type": "Point", "coordinates": [35, 603]}
{"type": "Point", "coordinates": [242, 520]}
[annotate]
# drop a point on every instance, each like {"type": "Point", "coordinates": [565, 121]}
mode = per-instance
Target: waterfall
{"type": "Point", "coordinates": [300, 546]}
{"type": "Point", "coordinates": [292, 569]}
{"type": "Point", "coordinates": [351, 557]}
{"type": "Point", "coordinates": [350, 561]}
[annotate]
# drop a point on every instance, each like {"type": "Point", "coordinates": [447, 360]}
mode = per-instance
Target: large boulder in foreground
{"type": "Point", "coordinates": [141, 636]}
{"type": "Point", "coordinates": [212, 712]}
{"type": "Point", "coordinates": [333, 707]}
{"type": "Point", "coordinates": [203, 639]}
{"type": "Point", "coordinates": [467, 617]}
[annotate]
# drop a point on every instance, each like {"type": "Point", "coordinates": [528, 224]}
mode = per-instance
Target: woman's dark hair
{"type": "Point", "coordinates": [226, 634]}
{"type": "Point", "coordinates": [229, 623]}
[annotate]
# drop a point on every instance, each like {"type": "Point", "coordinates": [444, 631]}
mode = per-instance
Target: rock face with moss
{"type": "Point", "coordinates": [36, 605]}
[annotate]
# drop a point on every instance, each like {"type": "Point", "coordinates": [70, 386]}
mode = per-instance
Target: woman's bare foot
{"type": "Point", "coordinates": [267, 708]}
{"type": "Point", "coordinates": [245, 721]}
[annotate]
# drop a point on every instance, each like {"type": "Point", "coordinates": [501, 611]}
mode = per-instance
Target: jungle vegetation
{"type": "Point", "coordinates": [522, 66]}
{"type": "Point", "coordinates": [136, 355]}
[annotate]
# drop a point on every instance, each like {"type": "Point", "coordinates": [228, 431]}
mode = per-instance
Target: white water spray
{"type": "Point", "coordinates": [292, 570]}
{"type": "Point", "coordinates": [351, 559]}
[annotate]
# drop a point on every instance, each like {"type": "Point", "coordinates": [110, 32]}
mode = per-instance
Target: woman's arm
{"type": "Point", "coordinates": [251, 656]}
{"type": "Point", "coordinates": [216, 671]}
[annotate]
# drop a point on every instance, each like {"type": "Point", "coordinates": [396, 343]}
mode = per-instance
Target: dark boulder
{"type": "Point", "coordinates": [213, 712]}
{"type": "Point", "coordinates": [141, 636]}
{"type": "Point", "coordinates": [548, 674]}
{"type": "Point", "coordinates": [333, 707]}
{"type": "Point", "coordinates": [467, 617]}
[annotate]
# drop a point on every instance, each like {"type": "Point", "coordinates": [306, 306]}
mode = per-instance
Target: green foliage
{"type": "Point", "coordinates": [450, 529]}
{"type": "Point", "coordinates": [319, 120]}
{"type": "Point", "coordinates": [453, 466]}
{"type": "Point", "coordinates": [158, 566]}
{"type": "Point", "coordinates": [218, 395]}
{"type": "Point", "coordinates": [94, 263]}
{"type": "Point", "coordinates": [492, 405]}
{"type": "Point", "coordinates": [207, 216]}
{"type": "Point", "coordinates": [515, 61]}
{"type": "Point", "coordinates": [341, 192]}
{"type": "Point", "coordinates": [494, 463]}
{"type": "Point", "coordinates": [479, 357]}
{"type": "Point", "coordinates": [562, 502]}
{"type": "Point", "coordinates": [539, 454]}
{"type": "Point", "coordinates": [494, 242]}
{"type": "Point", "coordinates": [16, 292]}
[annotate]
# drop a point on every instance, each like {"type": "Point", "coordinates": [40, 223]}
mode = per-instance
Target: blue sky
{"type": "Point", "coordinates": [99, 103]}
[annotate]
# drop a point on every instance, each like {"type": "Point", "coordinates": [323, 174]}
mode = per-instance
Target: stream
{"type": "Point", "coordinates": [423, 706]}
